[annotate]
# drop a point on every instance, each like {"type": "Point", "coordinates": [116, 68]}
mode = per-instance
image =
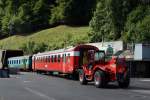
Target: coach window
{"type": "Point", "coordinates": [68, 57]}
{"type": "Point", "coordinates": [64, 58]}
{"type": "Point", "coordinates": [49, 58]}
{"type": "Point", "coordinates": [41, 59]}
{"type": "Point", "coordinates": [55, 58]}
{"type": "Point", "coordinates": [38, 59]}
{"type": "Point", "coordinates": [58, 58]}
{"type": "Point", "coordinates": [52, 58]}
{"type": "Point", "coordinates": [45, 58]}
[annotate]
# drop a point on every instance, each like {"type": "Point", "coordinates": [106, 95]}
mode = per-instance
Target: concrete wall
{"type": "Point", "coordinates": [116, 45]}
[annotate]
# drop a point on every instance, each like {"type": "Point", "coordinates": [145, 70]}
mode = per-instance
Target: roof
{"type": "Point", "coordinates": [76, 48]}
{"type": "Point", "coordinates": [19, 57]}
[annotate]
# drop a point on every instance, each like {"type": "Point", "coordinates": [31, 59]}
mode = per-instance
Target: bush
{"type": "Point", "coordinates": [31, 47]}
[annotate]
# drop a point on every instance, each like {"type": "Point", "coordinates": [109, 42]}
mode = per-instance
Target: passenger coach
{"type": "Point", "coordinates": [64, 60]}
{"type": "Point", "coordinates": [20, 62]}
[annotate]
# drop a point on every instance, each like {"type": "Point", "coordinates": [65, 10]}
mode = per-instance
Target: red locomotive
{"type": "Point", "coordinates": [85, 61]}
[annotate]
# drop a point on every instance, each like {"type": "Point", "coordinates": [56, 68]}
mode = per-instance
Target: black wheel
{"type": "Point", "coordinates": [99, 79]}
{"type": "Point", "coordinates": [124, 83]}
{"type": "Point", "coordinates": [75, 75]}
{"type": "Point", "coordinates": [82, 78]}
{"type": "Point", "coordinates": [38, 72]}
{"type": "Point", "coordinates": [50, 73]}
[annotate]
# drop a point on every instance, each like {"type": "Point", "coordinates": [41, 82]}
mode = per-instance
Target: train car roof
{"type": "Point", "coordinates": [68, 49]}
{"type": "Point", "coordinates": [17, 57]}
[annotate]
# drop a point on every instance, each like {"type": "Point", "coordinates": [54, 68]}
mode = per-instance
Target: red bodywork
{"type": "Point", "coordinates": [64, 60]}
{"type": "Point", "coordinates": [112, 67]}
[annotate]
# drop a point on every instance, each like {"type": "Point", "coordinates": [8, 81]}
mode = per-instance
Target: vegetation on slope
{"type": "Point", "coordinates": [49, 39]}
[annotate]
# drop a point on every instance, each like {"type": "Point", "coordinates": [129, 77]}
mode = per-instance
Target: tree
{"type": "Point", "coordinates": [101, 23]}
{"type": "Point", "coordinates": [72, 12]}
{"type": "Point", "coordinates": [41, 14]}
{"type": "Point", "coordinates": [109, 19]}
{"type": "Point", "coordinates": [137, 26]}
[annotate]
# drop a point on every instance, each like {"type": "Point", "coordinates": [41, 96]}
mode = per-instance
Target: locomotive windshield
{"type": "Point", "coordinates": [100, 55]}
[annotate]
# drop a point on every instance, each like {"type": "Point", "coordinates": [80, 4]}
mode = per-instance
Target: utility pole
{"type": "Point", "coordinates": [103, 38]}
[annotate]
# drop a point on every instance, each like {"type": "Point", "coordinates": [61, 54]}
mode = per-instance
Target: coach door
{"type": "Point", "coordinates": [33, 63]}
{"type": "Point", "coordinates": [64, 62]}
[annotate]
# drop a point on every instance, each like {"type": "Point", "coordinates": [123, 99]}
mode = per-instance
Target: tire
{"type": "Point", "coordinates": [99, 79]}
{"type": "Point", "coordinates": [38, 72]}
{"type": "Point", "coordinates": [75, 76]}
{"type": "Point", "coordinates": [82, 77]}
{"type": "Point", "coordinates": [125, 82]}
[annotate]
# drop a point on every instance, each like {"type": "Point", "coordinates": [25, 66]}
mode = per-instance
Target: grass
{"type": "Point", "coordinates": [53, 36]}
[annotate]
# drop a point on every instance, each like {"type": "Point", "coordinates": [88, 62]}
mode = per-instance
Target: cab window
{"type": "Point", "coordinates": [100, 55]}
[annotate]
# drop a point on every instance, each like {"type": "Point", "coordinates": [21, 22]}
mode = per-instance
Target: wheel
{"type": "Point", "coordinates": [82, 78]}
{"type": "Point", "coordinates": [38, 72]}
{"type": "Point", "coordinates": [50, 73]}
{"type": "Point", "coordinates": [99, 79]}
{"type": "Point", "coordinates": [74, 76]}
{"type": "Point", "coordinates": [124, 83]}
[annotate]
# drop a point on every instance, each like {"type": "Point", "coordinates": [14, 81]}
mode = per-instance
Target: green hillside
{"type": "Point", "coordinates": [54, 37]}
